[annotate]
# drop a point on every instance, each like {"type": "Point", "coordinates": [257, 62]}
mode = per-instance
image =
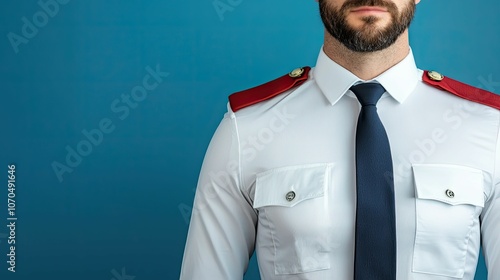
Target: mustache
{"type": "Point", "coordinates": [359, 3]}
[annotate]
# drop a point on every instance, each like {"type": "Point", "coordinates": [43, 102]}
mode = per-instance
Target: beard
{"type": "Point", "coordinates": [369, 38]}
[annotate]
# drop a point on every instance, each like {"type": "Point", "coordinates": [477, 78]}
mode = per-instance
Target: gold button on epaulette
{"type": "Point", "coordinates": [296, 73]}
{"type": "Point", "coordinates": [435, 76]}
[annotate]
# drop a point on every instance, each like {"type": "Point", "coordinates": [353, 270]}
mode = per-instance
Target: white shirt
{"type": "Point", "coordinates": [303, 141]}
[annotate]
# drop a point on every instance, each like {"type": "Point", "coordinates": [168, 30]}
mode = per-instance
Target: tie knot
{"type": "Point", "coordinates": [368, 93]}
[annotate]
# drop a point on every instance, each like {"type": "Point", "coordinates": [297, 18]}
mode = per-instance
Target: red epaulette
{"type": "Point", "coordinates": [245, 98]}
{"type": "Point", "coordinates": [462, 90]}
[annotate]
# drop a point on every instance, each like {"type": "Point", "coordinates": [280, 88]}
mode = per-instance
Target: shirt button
{"type": "Point", "coordinates": [450, 193]}
{"type": "Point", "coordinates": [290, 196]}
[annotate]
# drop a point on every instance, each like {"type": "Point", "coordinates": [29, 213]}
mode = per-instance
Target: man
{"type": "Point", "coordinates": [326, 184]}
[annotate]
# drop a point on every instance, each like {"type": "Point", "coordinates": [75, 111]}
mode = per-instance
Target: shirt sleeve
{"type": "Point", "coordinates": [221, 234]}
{"type": "Point", "coordinates": [490, 226]}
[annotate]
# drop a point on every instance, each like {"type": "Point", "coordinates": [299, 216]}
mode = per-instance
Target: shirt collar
{"type": "Point", "coordinates": [334, 80]}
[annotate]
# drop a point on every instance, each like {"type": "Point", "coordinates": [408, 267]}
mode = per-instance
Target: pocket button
{"type": "Point", "coordinates": [450, 193]}
{"type": "Point", "coordinates": [290, 196]}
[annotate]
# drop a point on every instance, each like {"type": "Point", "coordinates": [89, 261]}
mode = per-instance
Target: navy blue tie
{"type": "Point", "coordinates": [375, 250]}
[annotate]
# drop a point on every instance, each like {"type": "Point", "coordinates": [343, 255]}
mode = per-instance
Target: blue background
{"type": "Point", "coordinates": [124, 208]}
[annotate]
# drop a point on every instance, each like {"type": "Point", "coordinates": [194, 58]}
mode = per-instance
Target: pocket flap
{"type": "Point", "coordinates": [288, 186]}
{"type": "Point", "coordinates": [452, 184]}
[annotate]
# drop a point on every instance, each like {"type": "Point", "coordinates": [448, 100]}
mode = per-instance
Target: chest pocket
{"type": "Point", "coordinates": [449, 201]}
{"type": "Point", "coordinates": [291, 203]}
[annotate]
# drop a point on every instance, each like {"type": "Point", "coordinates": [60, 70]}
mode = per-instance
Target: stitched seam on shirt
{"type": "Point", "coordinates": [469, 236]}
{"type": "Point", "coordinates": [272, 230]}
{"type": "Point", "coordinates": [496, 163]}
{"type": "Point", "coordinates": [240, 177]}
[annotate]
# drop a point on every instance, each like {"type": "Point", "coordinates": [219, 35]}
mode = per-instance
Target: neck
{"type": "Point", "coordinates": [367, 66]}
